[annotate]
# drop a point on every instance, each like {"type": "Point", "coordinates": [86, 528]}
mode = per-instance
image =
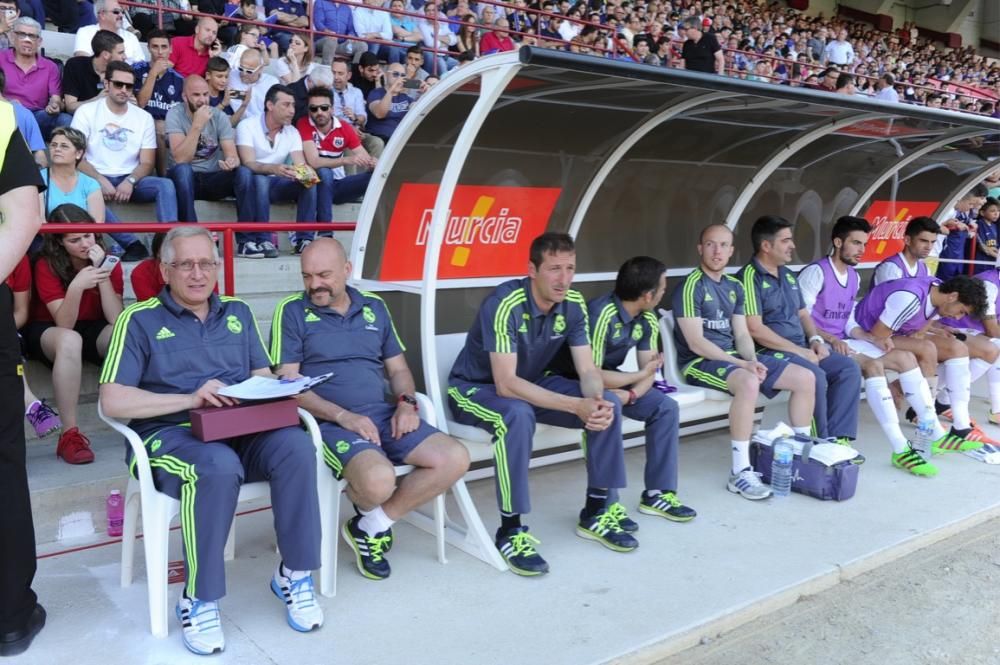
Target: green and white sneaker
{"type": "Point", "coordinates": [604, 528]}
{"type": "Point", "coordinates": [517, 547]}
{"type": "Point", "coordinates": [627, 524]}
{"type": "Point", "coordinates": [911, 461]}
{"type": "Point", "coordinates": [666, 505]}
{"type": "Point", "coordinates": [954, 442]}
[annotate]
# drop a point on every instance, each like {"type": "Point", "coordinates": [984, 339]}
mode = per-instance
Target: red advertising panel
{"type": "Point", "coordinates": [489, 230]}
{"type": "Point", "coordinates": [888, 220]}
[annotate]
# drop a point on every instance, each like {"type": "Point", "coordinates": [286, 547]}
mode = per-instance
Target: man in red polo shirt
{"type": "Point", "coordinates": [324, 139]}
{"type": "Point", "coordinates": [190, 54]}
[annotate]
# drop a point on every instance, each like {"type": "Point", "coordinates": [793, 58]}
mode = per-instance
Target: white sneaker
{"type": "Point", "coordinates": [269, 250]}
{"type": "Point", "coordinates": [304, 613]}
{"type": "Point", "coordinates": [747, 483]}
{"type": "Point", "coordinates": [202, 625]}
{"type": "Point", "coordinates": [250, 250]}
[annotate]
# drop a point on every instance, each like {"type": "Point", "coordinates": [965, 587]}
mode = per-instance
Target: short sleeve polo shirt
{"type": "Point", "coordinates": [777, 300]}
{"type": "Point", "coordinates": [715, 303]}
{"type": "Point", "coordinates": [509, 321]}
{"type": "Point", "coordinates": [159, 346]}
{"type": "Point", "coordinates": [615, 332]}
{"type": "Point", "coordinates": [353, 345]}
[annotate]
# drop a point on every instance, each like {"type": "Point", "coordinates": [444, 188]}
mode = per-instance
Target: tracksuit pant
{"type": "Point", "coordinates": [838, 384]}
{"type": "Point", "coordinates": [206, 479]}
{"type": "Point", "coordinates": [511, 423]}
{"type": "Point", "coordinates": [662, 419]}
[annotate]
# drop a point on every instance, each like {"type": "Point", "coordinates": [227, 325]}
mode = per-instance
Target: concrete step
{"type": "Point", "coordinates": [225, 211]}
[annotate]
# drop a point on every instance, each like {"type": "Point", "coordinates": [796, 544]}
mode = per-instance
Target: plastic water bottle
{"type": "Point", "coordinates": [924, 436]}
{"type": "Point", "coordinates": [116, 513]}
{"type": "Point", "coordinates": [781, 468]}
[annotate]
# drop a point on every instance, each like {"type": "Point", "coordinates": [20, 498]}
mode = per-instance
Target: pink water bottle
{"type": "Point", "coordinates": [116, 513]}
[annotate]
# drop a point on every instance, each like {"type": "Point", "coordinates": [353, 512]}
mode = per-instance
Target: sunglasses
{"type": "Point", "coordinates": [116, 12]}
{"type": "Point", "coordinates": [122, 85]}
{"type": "Point", "coordinates": [319, 107]}
{"type": "Point", "coordinates": [248, 72]}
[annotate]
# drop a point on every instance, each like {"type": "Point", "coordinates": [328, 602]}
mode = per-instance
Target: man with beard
{"type": "Point", "coordinates": [203, 160]}
{"type": "Point", "coordinates": [330, 326]}
{"type": "Point", "coordinates": [829, 287]}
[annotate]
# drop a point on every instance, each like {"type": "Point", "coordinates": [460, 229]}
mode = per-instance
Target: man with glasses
{"type": "Point", "coordinates": [191, 53]}
{"type": "Point", "coordinates": [83, 75]}
{"type": "Point", "coordinates": [32, 80]}
{"type": "Point", "coordinates": [150, 379]}
{"type": "Point", "coordinates": [109, 17]}
{"type": "Point", "coordinates": [249, 83]}
{"type": "Point", "coordinates": [266, 143]}
{"type": "Point", "coordinates": [121, 146]}
{"type": "Point", "coordinates": [389, 103]}
{"type": "Point", "coordinates": [324, 140]}
{"type": "Point", "coordinates": [349, 105]}
{"type": "Point", "coordinates": [203, 160]}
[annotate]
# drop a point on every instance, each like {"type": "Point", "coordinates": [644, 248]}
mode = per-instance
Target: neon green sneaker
{"type": "Point", "coordinates": [954, 442]}
{"type": "Point", "coordinates": [604, 528]}
{"type": "Point", "coordinates": [910, 460]}
{"type": "Point", "coordinates": [666, 505]}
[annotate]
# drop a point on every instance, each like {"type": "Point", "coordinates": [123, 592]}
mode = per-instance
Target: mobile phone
{"type": "Point", "coordinates": [412, 84]}
{"type": "Point", "coordinates": [237, 94]}
{"type": "Point", "coordinates": [110, 261]}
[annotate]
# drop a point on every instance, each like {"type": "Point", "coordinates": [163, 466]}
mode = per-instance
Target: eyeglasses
{"type": "Point", "coordinates": [189, 266]}
{"type": "Point", "coordinates": [116, 12]}
{"type": "Point", "coordinates": [122, 85]}
{"type": "Point", "coordinates": [395, 75]}
{"type": "Point", "coordinates": [26, 35]}
{"type": "Point", "coordinates": [248, 72]}
{"type": "Point", "coordinates": [319, 107]}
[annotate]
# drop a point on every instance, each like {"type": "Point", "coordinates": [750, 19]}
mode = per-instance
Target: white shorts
{"type": "Point", "coordinates": [864, 348]}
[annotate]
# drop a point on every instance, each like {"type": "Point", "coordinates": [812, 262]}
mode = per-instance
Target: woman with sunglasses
{"type": "Point", "coordinates": [78, 296]}
{"type": "Point", "coordinates": [297, 61]}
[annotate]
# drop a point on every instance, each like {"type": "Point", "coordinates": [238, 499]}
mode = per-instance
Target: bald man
{"type": "Point", "coordinates": [202, 161]}
{"type": "Point", "coordinates": [332, 327]}
{"type": "Point", "coordinates": [249, 83]}
{"type": "Point", "coordinates": [191, 53]}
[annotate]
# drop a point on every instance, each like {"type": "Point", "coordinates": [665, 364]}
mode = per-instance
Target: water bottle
{"type": "Point", "coordinates": [781, 468]}
{"type": "Point", "coordinates": [116, 513]}
{"type": "Point", "coordinates": [924, 436]}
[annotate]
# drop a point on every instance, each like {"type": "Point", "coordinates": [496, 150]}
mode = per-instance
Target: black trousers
{"type": "Point", "coordinates": [17, 532]}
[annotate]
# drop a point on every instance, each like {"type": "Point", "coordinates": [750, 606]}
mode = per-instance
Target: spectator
{"type": "Point", "coordinates": [368, 73]}
{"type": "Point", "coordinates": [250, 38]}
{"type": "Point", "coordinates": [229, 33]}
{"type": "Point", "coordinates": [497, 40]}
{"type": "Point", "coordinates": [643, 51]}
{"type": "Point", "coordinates": [37, 411]}
{"type": "Point", "coordinates": [437, 38]}
{"type": "Point", "coordinates": [297, 61]}
{"type": "Point", "coordinates": [845, 85]}
{"type": "Point", "coordinates": [33, 80]}
{"type": "Point", "coordinates": [987, 235]}
{"type": "Point", "coordinates": [336, 17]}
{"type": "Point", "coordinates": [375, 24]}
{"type": "Point", "coordinates": [387, 105]}
{"type": "Point", "coordinates": [174, 23]}
{"type": "Point", "coordinates": [414, 66]}
{"type": "Point", "coordinates": [828, 79]}
{"type": "Point", "coordinates": [83, 75]}
{"type": "Point", "coordinates": [320, 76]}
{"type": "Point", "coordinates": [520, 20]}
{"type": "Point", "coordinates": [885, 89]}
{"type": "Point", "coordinates": [248, 84]}
{"type": "Point", "coordinates": [349, 106]}
{"type": "Point", "coordinates": [191, 53]}
{"type": "Point", "coordinates": [217, 77]}
{"type": "Point", "coordinates": [324, 140]}
{"type": "Point", "coordinates": [468, 37]}
{"type": "Point", "coordinates": [109, 17]}
{"type": "Point", "coordinates": [817, 44]}
{"type": "Point", "coordinates": [701, 52]}
{"type": "Point", "coordinates": [8, 14]}
{"type": "Point", "coordinates": [76, 303]}
{"type": "Point", "coordinates": [27, 125]}
{"type": "Point", "coordinates": [159, 89]}
{"type": "Point", "coordinates": [69, 15]}
{"type": "Point", "coordinates": [146, 277]}
{"type": "Point", "coordinates": [839, 51]}
{"type": "Point", "coordinates": [404, 28]}
{"type": "Point", "coordinates": [66, 184]}
{"type": "Point", "coordinates": [289, 13]}
{"type": "Point", "coordinates": [265, 144]}
{"type": "Point", "coordinates": [204, 163]}
{"type": "Point", "coordinates": [121, 146]}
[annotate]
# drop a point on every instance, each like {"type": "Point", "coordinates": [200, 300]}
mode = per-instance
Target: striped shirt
{"type": "Point", "coordinates": [715, 303]}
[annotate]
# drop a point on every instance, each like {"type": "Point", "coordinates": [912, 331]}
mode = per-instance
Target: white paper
{"type": "Point", "coordinates": [262, 387]}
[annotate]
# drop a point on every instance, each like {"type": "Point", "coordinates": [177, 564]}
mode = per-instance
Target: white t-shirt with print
{"type": "Point", "coordinates": [114, 141]}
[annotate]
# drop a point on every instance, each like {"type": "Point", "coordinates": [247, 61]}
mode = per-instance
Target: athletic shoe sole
{"type": "Point", "coordinates": [590, 535]}
{"type": "Point", "coordinates": [647, 510]}
{"type": "Point", "coordinates": [191, 647]}
{"type": "Point", "coordinates": [288, 615]}
{"type": "Point", "coordinates": [736, 490]}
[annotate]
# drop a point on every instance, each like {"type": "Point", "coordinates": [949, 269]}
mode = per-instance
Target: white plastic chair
{"type": "Point", "coordinates": [158, 510]}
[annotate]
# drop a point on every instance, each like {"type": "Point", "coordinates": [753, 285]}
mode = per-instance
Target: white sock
{"type": "Point", "coordinates": [375, 521]}
{"type": "Point", "coordinates": [956, 380]}
{"type": "Point", "coordinates": [918, 395]}
{"type": "Point", "coordinates": [741, 455]}
{"type": "Point", "coordinates": [804, 431]}
{"type": "Point", "coordinates": [977, 368]}
{"type": "Point", "coordinates": [881, 404]}
{"type": "Point", "coordinates": [293, 574]}
{"type": "Point", "coordinates": [993, 379]}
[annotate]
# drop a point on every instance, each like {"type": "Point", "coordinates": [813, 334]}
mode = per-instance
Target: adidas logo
{"type": "Point", "coordinates": [523, 328]}
{"type": "Point", "coordinates": [164, 333]}
{"type": "Point", "coordinates": [311, 317]}
{"type": "Point", "coordinates": [708, 297]}
{"type": "Point", "coordinates": [767, 285]}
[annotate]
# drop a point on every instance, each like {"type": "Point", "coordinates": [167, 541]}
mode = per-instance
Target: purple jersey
{"type": "Point", "coordinates": [993, 277]}
{"type": "Point", "coordinates": [868, 311]}
{"type": "Point", "coordinates": [834, 301]}
{"type": "Point", "coordinates": [898, 261]}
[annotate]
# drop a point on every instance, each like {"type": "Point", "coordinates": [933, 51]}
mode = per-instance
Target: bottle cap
{"type": "Point", "coordinates": [116, 492]}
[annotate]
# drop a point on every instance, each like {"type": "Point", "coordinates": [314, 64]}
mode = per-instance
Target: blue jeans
{"type": "Point", "coordinates": [151, 188]}
{"type": "Point", "coordinates": [46, 122]}
{"type": "Point", "coordinates": [212, 186]}
{"type": "Point", "coordinates": [444, 63]}
{"type": "Point", "coordinates": [332, 191]}
{"type": "Point", "coordinates": [272, 189]}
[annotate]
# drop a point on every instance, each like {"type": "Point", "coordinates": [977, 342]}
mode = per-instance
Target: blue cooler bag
{"type": "Point", "coordinates": [819, 468]}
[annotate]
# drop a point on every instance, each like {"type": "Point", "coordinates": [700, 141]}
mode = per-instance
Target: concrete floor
{"type": "Point", "coordinates": [737, 560]}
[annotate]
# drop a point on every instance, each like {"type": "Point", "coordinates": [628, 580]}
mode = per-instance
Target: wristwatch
{"type": "Point", "coordinates": [131, 180]}
{"type": "Point", "coordinates": [408, 399]}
